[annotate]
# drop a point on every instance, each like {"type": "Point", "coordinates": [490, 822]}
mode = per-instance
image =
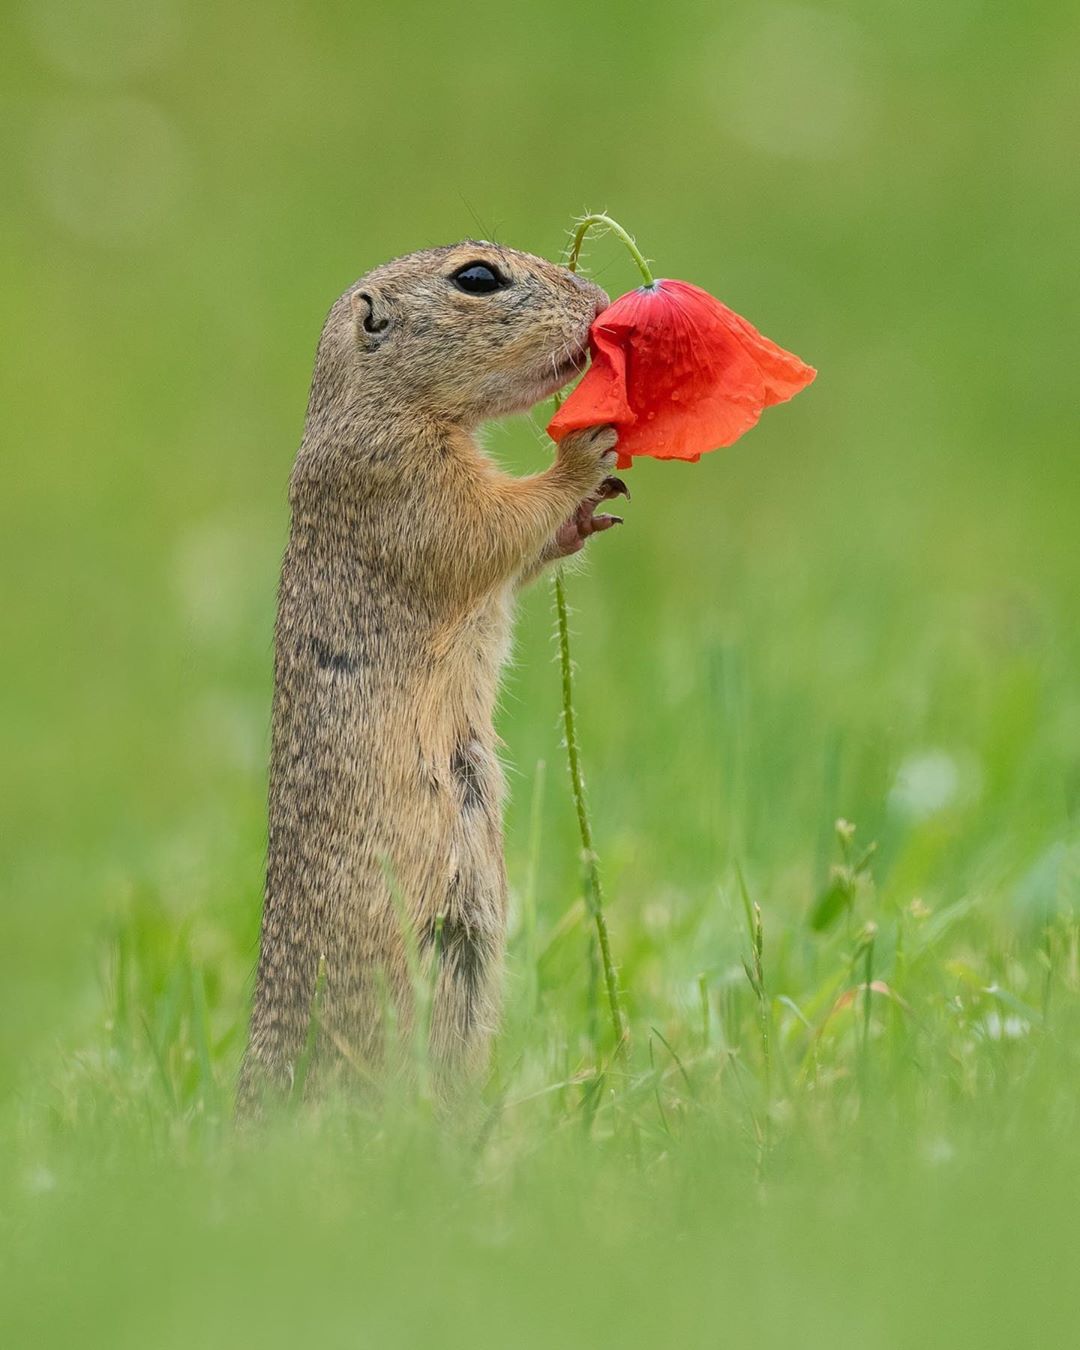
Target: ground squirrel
{"type": "Point", "coordinates": [406, 546]}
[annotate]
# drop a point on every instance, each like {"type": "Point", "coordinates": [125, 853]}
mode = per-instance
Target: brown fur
{"type": "Point", "coordinates": [393, 621]}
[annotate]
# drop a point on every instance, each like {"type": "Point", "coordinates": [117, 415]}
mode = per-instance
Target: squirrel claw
{"type": "Point", "coordinates": [613, 487]}
{"type": "Point", "coordinates": [570, 537]}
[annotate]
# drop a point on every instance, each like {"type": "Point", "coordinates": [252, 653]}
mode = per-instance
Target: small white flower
{"type": "Point", "coordinates": [1009, 1028]}
{"type": "Point", "coordinates": [926, 783]}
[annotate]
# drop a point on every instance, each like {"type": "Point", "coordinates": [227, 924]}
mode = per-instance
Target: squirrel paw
{"type": "Point", "coordinates": [584, 455]}
{"type": "Point", "coordinates": [571, 535]}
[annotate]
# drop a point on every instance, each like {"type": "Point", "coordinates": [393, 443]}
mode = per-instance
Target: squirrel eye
{"type": "Point", "coordinates": [478, 279]}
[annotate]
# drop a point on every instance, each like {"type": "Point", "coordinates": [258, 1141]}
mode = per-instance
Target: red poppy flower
{"type": "Point", "coordinates": [677, 373]}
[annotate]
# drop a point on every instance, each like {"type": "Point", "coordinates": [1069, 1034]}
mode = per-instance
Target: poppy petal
{"type": "Point", "coordinates": [677, 373]}
{"type": "Point", "coordinates": [601, 395]}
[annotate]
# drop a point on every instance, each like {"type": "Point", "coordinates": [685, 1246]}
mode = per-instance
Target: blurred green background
{"type": "Point", "coordinates": [867, 608]}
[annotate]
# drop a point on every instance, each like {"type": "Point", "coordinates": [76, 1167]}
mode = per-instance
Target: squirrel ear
{"type": "Point", "coordinates": [372, 317]}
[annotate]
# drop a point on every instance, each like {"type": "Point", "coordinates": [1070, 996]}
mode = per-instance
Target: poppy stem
{"type": "Point", "coordinates": [583, 227]}
{"type": "Point", "coordinates": [594, 891]}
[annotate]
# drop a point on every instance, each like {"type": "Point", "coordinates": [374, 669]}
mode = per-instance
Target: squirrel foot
{"type": "Point", "coordinates": [571, 535]}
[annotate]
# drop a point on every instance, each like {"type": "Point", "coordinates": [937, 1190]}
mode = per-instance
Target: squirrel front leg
{"type": "Point", "coordinates": [574, 532]}
{"type": "Point", "coordinates": [522, 515]}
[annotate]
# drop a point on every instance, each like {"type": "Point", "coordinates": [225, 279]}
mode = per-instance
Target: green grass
{"type": "Point", "coordinates": [864, 612]}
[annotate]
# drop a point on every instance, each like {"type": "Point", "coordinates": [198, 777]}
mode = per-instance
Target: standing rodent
{"type": "Point", "coordinates": [406, 546]}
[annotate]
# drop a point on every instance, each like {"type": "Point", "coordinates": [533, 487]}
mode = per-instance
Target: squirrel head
{"type": "Point", "coordinates": [457, 335]}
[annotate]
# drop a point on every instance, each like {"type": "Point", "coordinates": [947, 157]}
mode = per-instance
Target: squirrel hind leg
{"type": "Point", "coordinates": [262, 1084]}
{"type": "Point", "coordinates": [464, 1009]}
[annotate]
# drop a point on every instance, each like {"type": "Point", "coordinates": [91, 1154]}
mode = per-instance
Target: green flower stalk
{"type": "Point", "coordinates": [594, 891]}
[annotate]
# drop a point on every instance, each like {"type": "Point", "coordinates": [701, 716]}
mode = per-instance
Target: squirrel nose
{"type": "Point", "coordinates": [599, 297]}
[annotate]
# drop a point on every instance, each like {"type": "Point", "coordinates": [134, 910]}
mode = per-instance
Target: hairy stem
{"type": "Point", "coordinates": [586, 223]}
{"type": "Point", "coordinates": [594, 891]}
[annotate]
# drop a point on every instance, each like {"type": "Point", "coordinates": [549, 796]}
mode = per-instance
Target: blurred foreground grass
{"type": "Point", "coordinates": [865, 611]}
{"type": "Point", "coordinates": [866, 1133]}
